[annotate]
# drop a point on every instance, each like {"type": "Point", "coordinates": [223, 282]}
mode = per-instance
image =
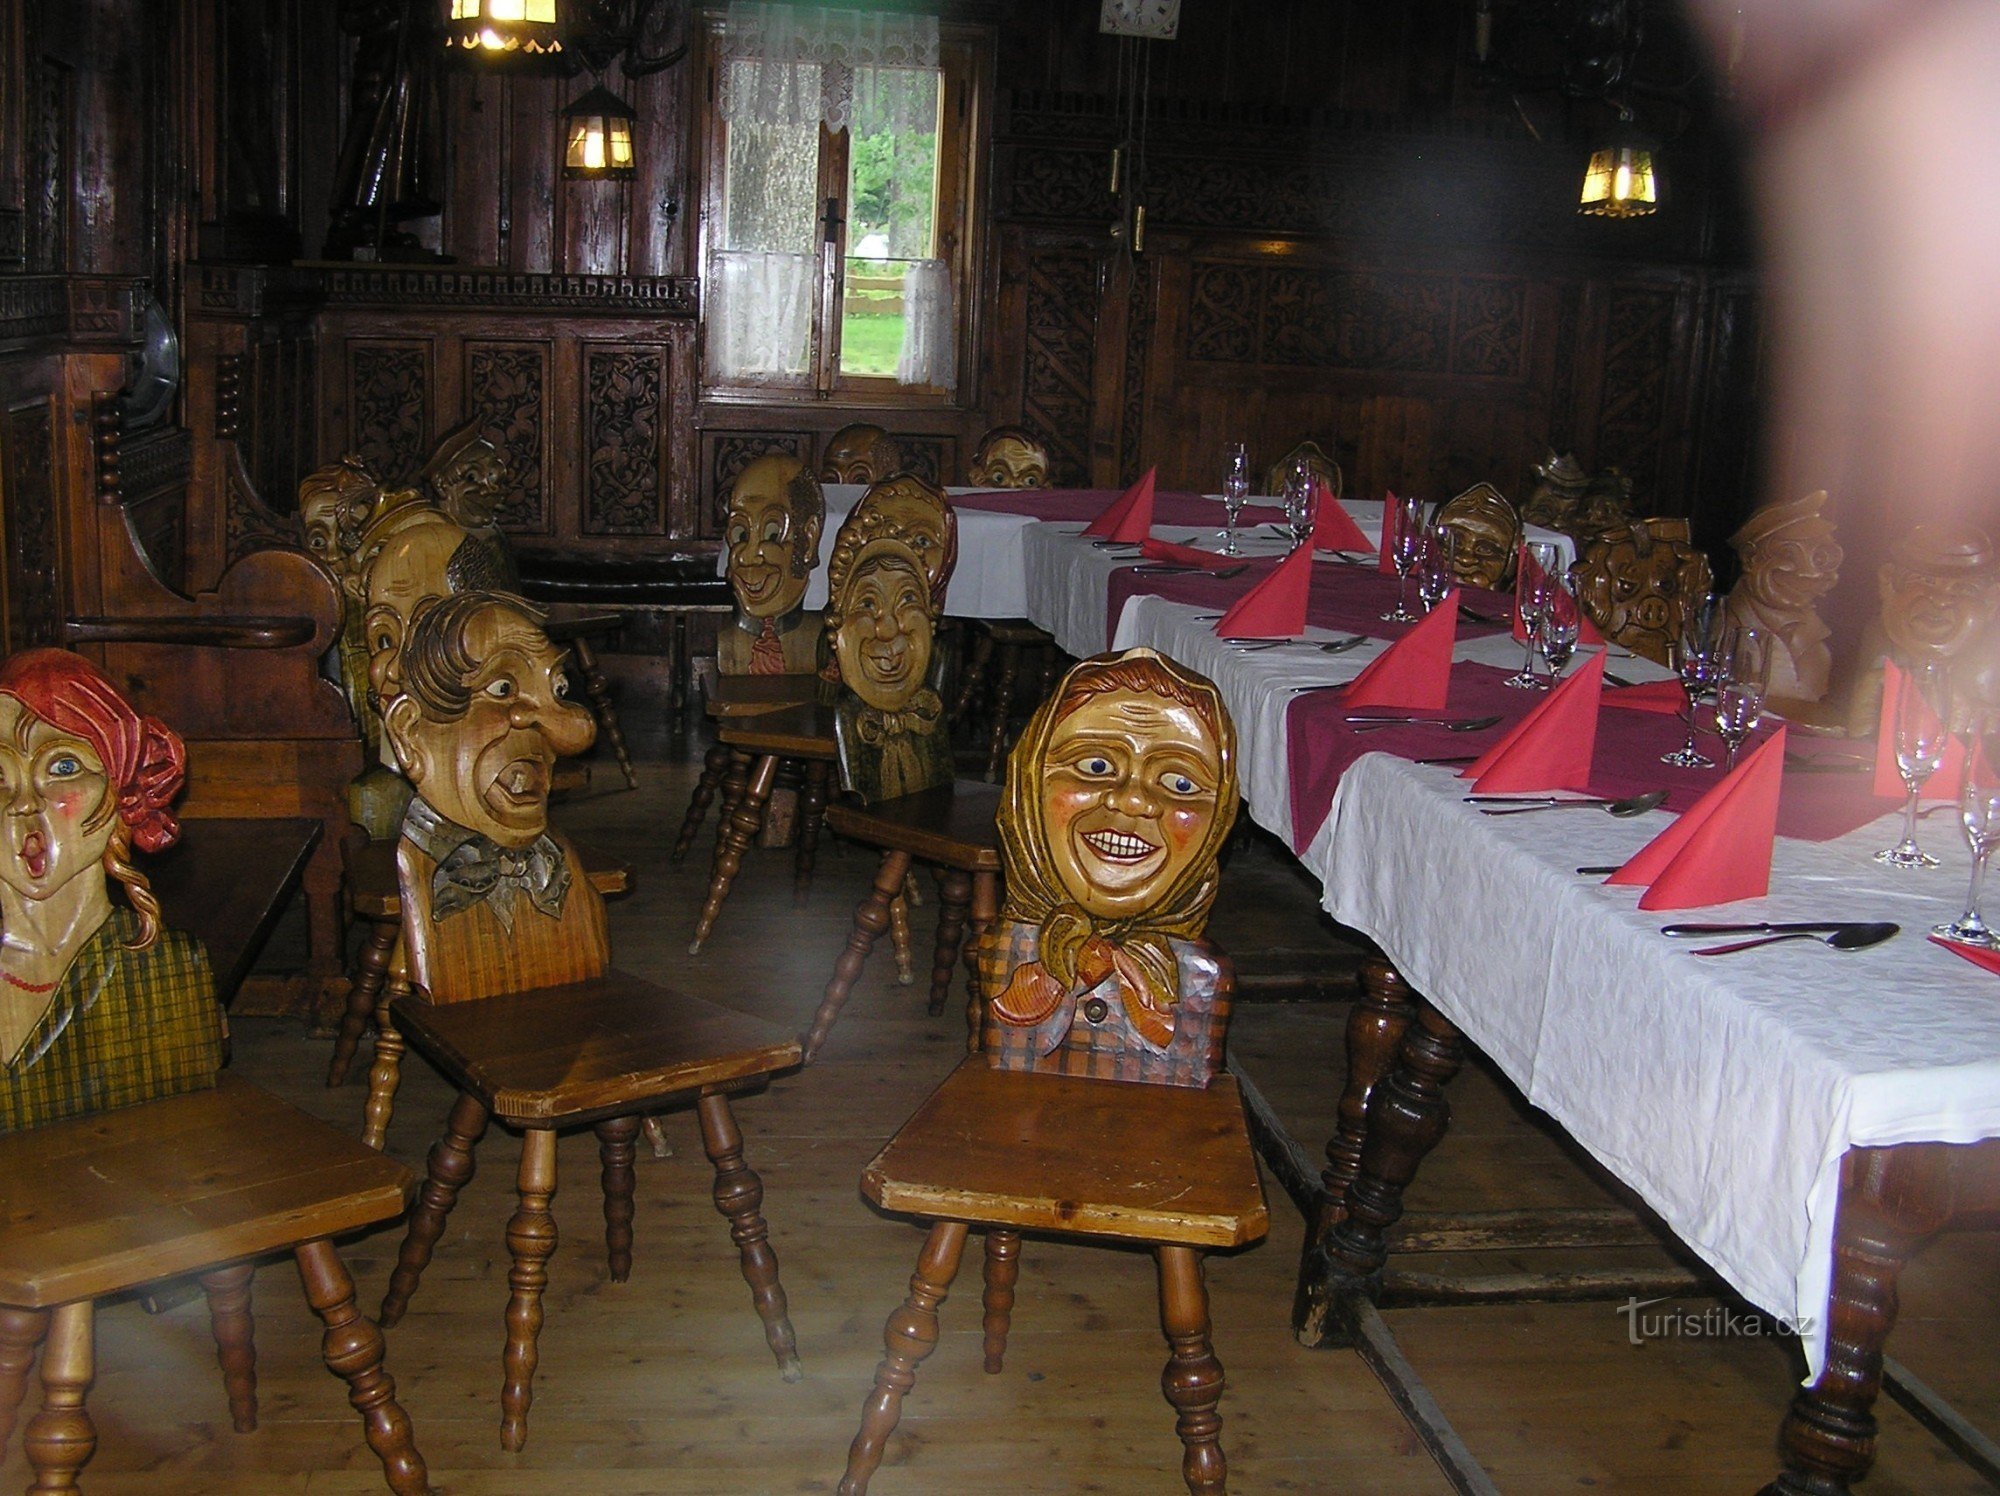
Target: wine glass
{"type": "Point", "coordinates": [1300, 491]}
{"type": "Point", "coordinates": [1403, 519]}
{"type": "Point", "coordinates": [1561, 621]}
{"type": "Point", "coordinates": [1539, 559]}
{"type": "Point", "coordinates": [1235, 490]}
{"type": "Point", "coordinates": [1742, 675]}
{"type": "Point", "coordinates": [1979, 813]}
{"type": "Point", "coordinates": [1697, 661]}
{"type": "Point", "coordinates": [1923, 707]}
{"type": "Point", "coordinates": [1437, 566]}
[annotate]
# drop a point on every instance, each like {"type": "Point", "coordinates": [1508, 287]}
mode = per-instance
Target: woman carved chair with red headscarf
{"type": "Point", "coordinates": [99, 1006]}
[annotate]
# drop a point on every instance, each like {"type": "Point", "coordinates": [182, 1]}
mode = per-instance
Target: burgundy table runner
{"type": "Point", "coordinates": [1085, 504]}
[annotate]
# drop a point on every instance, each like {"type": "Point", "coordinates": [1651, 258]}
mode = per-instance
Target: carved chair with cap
{"type": "Point", "coordinates": [513, 1000]}
{"type": "Point", "coordinates": [1098, 1108]}
{"type": "Point", "coordinates": [1489, 534]}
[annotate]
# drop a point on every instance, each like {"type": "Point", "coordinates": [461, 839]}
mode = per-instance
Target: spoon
{"type": "Point", "coordinates": [1462, 724]}
{"type": "Point", "coordinates": [1341, 646]}
{"type": "Point", "coordinates": [1635, 805]}
{"type": "Point", "coordinates": [1846, 938]}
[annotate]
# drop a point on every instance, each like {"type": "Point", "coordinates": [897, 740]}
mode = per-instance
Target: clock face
{"type": "Point", "coordinates": [1155, 18]}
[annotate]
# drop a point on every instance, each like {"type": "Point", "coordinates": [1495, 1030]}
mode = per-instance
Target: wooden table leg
{"type": "Point", "coordinates": [1003, 710]}
{"type": "Point", "coordinates": [1003, 1270]}
{"type": "Point", "coordinates": [61, 1438]}
{"type": "Point", "coordinates": [448, 1168]}
{"type": "Point", "coordinates": [531, 1237]}
{"type": "Point", "coordinates": [371, 970]}
{"type": "Point", "coordinates": [617, 1146]}
{"type": "Point", "coordinates": [21, 1330]}
{"type": "Point", "coordinates": [910, 1335]}
{"type": "Point", "coordinates": [353, 1350]}
{"type": "Point", "coordinates": [228, 1290]}
{"type": "Point", "coordinates": [870, 920]}
{"type": "Point", "coordinates": [812, 815]}
{"type": "Point", "coordinates": [739, 1195]}
{"type": "Point", "coordinates": [713, 768]}
{"type": "Point", "coordinates": [1193, 1377]}
{"type": "Point", "coordinates": [1891, 1201]}
{"type": "Point", "coordinates": [954, 906]}
{"type": "Point", "coordinates": [986, 900]}
{"type": "Point", "coordinates": [739, 829]}
{"type": "Point", "coordinates": [1375, 1028]}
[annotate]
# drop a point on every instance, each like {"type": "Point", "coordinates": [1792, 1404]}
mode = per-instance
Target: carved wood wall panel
{"type": "Point", "coordinates": [1138, 351]}
{"type": "Point", "coordinates": [390, 421]}
{"type": "Point", "coordinates": [34, 563]}
{"type": "Point", "coordinates": [625, 480]}
{"type": "Point", "coordinates": [49, 157]}
{"type": "Point", "coordinates": [507, 390]}
{"type": "Point", "coordinates": [1639, 359]}
{"type": "Point", "coordinates": [1060, 336]}
{"type": "Point", "coordinates": [729, 452]}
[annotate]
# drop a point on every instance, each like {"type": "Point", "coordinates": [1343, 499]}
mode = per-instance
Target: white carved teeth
{"type": "Point", "coordinates": [1119, 846]}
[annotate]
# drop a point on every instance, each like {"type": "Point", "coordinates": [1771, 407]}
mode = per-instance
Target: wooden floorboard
{"type": "Point", "coordinates": [664, 1385]}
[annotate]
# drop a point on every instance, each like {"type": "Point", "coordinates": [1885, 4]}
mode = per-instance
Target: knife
{"type": "Point", "coordinates": [1803, 927]}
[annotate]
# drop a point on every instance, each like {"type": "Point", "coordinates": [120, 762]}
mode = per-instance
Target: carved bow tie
{"type": "Point", "coordinates": [481, 871]}
{"type": "Point", "coordinates": [920, 716]}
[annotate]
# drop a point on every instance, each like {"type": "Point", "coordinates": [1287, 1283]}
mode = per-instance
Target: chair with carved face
{"type": "Point", "coordinates": [1488, 530]}
{"type": "Point", "coordinates": [1313, 459]}
{"type": "Point", "coordinates": [860, 453]}
{"type": "Point", "coordinates": [1940, 591]}
{"type": "Point", "coordinates": [514, 998]}
{"type": "Point", "coordinates": [125, 1155]}
{"type": "Point", "coordinates": [1634, 583]}
{"type": "Point", "coordinates": [1099, 1108]}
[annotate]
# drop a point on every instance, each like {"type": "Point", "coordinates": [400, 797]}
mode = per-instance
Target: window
{"type": "Point", "coordinates": [837, 225]}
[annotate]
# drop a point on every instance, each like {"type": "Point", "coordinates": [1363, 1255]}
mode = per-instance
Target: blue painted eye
{"type": "Point", "coordinates": [1095, 765]}
{"type": "Point", "coordinates": [1180, 784]}
{"type": "Point", "coordinates": [65, 767]}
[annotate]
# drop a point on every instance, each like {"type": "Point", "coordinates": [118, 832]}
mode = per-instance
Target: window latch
{"type": "Point", "coordinates": [831, 219]}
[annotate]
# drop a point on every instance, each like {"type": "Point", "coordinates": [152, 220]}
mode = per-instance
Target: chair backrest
{"type": "Point", "coordinates": [1488, 530]}
{"type": "Point", "coordinates": [1315, 461]}
{"type": "Point", "coordinates": [770, 541]}
{"type": "Point", "coordinates": [1790, 560]}
{"type": "Point", "coordinates": [1634, 583]}
{"type": "Point", "coordinates": [1009, 457]}
{"type": "Point", "coordinates": [886, 583]}
{"type": "Point", "coordinates": [860, 453]}
{"type": "Point", "coordinates": [1578, 504]}
{"type": "Point", "coordinates": [1119, 796]}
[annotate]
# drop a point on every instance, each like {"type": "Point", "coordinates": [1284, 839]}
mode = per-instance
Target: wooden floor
{"type": "Point", "coordinates": [663, 1384]}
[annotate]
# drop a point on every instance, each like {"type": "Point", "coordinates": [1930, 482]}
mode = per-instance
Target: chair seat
{"type": "Point", "coordinates": [952, 824]}
{"type": "Point", "coordinates": [560, 1054]}
{"type": "Point", "coordinates": [373, 893]}
{"type": "Point", "coordinates": [107, 1202]}
{"type": "Point", "coordinates": [796, 732]}
{"type": "Point", "coordinates": [755, 695]}
{"type": "Point", "coordinates": [1090, 1157]}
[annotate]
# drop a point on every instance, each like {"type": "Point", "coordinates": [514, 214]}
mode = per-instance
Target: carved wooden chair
{"type": "Point", "coordinates": [1098, 1109]}
{"type": "Point", "coordinates": [512, 1000]}
{"type": "Point", "coordinates": [860, 453]}
{"type": "Point", "coordinates": [1316, 462]}
{"type": "Point", "coordinates": [1634, 582]}
{"type": "Point", "coordinates": [1489, 533]}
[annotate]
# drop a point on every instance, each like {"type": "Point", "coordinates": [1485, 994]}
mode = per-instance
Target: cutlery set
{"type": "Point", "coordinates": [1517, 805]}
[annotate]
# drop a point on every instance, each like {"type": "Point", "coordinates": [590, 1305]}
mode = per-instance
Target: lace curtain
{"type": "Point", "coordinates": [811, 62]}
{"type": "Point", "coordinates": [760, 312]}
{"type": "Point", "coordinates": [930, 351]}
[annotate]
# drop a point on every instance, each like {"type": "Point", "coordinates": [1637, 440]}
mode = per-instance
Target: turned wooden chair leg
{"type": "Point", "coordinates": [228, 1290]}
{"type": "Point", "coordinates": [352, 1349]}
{"type": "Point", "coordinates": [910, 1335]}
{"type": "Point", "coordinates": [739, 1195]}
{"type": "Point", "coordinates": [1003, 709]}
{"type": "Point", "coordinates": [735, 785]}
{"type": "Point", "coordinates": [975, 672]}
{"type": "Point", "coordinates": [1003, 1269]}
{"type": "Point", "coordinates": [599, 692]}
{"type": "Point", "coordinates": [60, 1439]}
{"type": "Point", "coordinates": [812, 813]}
{"type": "Point", "coordinates": [870, 920]}
{"type": "Point", "coordinates": [386, 1073]}
{"type": "Point", "coordinates": [531, 1238]}
{"type": "Point", "coordinates": [617, 1146]}
{"type": "Point", "coordinates": [954, 907]}
{"type": "Point", "coordinates": [899, 940]}
{"type": "Point", "coordinates": [21, 1330]}
{"type": "Point", "coordinates": [450, 1165]}
{"type": "Point", "coordinates": [739, 829]}
{"type": "Point", "coordinates": [1193, 1378]}
{"type": "Point", "coordinates": [986, 898]}
{"type": "Point", "coordinates": [371, 971]}
{"type": "Point", "coordinates": [713, 768]}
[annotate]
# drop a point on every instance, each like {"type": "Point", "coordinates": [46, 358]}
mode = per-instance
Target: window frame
{"type": "Point", "coordinates": [965, 68]}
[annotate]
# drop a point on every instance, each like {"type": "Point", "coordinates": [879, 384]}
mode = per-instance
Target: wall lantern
{"type": "Point", "coordinates": [598, 129]}
{"type": "Point", "coordinates": [1620, 181]}
{"type": "Point", "coordinates": [502, 31]}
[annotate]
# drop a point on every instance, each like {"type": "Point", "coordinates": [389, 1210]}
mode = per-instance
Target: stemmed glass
{"type": "Point", "coordinates": [1561, 621]}
{"type": "Point", "coordinates": [1922, 710]}
{"type": "Point", "coordinates": [1697, 661]}
{"type": "Point", "coordinates": [1437, 566]}
{"type": "Point", "coordinates": [1300, 491]}
{"type": "Point", "coordinates": [1742, 675]}
{"type": "Point", "coordinates": [1235, 490]}
{"type": "Point", "coordinates": [1531, 597]}
{"type": "Point", "coordinates": [1404, 521]}
{"type": "Point", "coordinates": [1979, 813]}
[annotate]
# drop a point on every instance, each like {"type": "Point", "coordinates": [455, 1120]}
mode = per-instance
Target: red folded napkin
{"type": "Point", "coordinates": [1551, 747]}
{"type": "Point", "coordinates": [1664, 696]}
{"type": "Point", "coordinates": [1276, 607]}
{"type": "Point", "coordinates": [1333, 527]}
{"type": "Point", "coordinates": [1414, 673]}
{"type": "Point", "coordinates": [1131, 517]}
{"type": "Point", "coordinates": [1988, 959]}
{"type": "Point", "coordinates": [1719, 849]}
{"type": "Point", "coordinates": [1949, 779]}
{"type": "Point", "coordinates": [1182, 555]}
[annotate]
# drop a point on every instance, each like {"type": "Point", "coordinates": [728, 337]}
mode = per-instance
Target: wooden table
{"type": "Point", "coordinates": [227, 882]}
{"type": "Point", "coordinates": [201, 1183]}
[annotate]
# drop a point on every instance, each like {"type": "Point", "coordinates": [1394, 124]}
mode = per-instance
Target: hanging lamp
{"type": "Point", "coordinates": [504, 31]}
{"type": "Point", "coordinates": [597, 130]}
{"type": "Point", "coordinates": [1621, 181]}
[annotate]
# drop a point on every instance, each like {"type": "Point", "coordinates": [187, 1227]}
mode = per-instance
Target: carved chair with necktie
{"type": "Point", "coordinates": [1006, 457]}
{"type": "Point", "coordinates": [126, 1158]}
{"type": "Point", "coordinates": [1099, 1108]}
{"type": "Point", "coordinates": [515, 1003]}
